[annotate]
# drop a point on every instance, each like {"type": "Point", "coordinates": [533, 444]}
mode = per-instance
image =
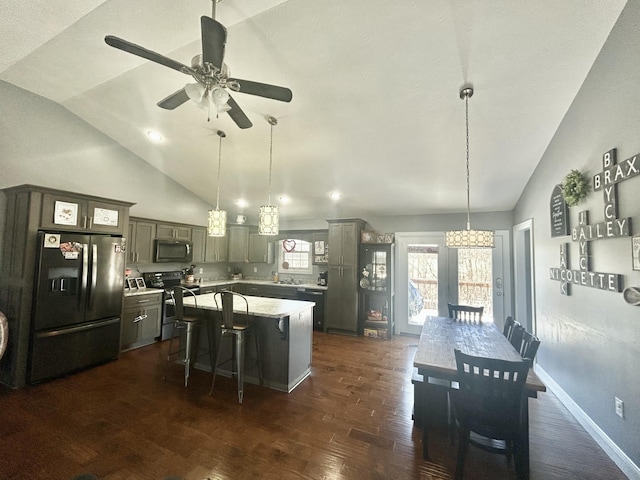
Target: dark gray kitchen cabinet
{"type": "Point", "coordinates": [199, 240]}
{"type": "Point", "coordinates": [342, 291]}
{"type": "Point", "coordinates": [238, 244]}
{"type": "Point", "coordinates": [141, 320]}
{"type": "Point", "coordinates": [216, 249]}
{"type": "Point", "coordinates": [80, 213]}
{"type": "Point", "coordinates": [175, 231]}
{"type": "Point", "coordinates": [140, 241]}
{"type": "Point", "coordinates": [26, 212]}
{"type": "Point", "coordinates": [259, 249]}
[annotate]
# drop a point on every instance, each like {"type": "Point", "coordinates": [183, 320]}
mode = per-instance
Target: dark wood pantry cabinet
{"type": "Point", "coordinates": [342, 292]}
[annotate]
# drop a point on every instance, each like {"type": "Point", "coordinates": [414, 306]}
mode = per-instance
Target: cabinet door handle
{"type": "Point", "coordinates": [84, 223]}
{"type": "Point", "coordinates": [139, 318]}
{"type": "Point", "coordinates": [144, 301]}
{"type": "Point", "coordinates": [90, 223]}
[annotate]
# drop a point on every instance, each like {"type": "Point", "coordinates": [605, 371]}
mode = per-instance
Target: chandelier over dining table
{"type": "Point", "coordinates": [469, 238]}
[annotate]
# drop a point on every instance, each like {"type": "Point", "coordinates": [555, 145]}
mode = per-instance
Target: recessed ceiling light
{"type": "Point", "coordinates": [335, 196]}
{"type": "Point", "coordinates": [284, 199]}
{"type": "Point", "coordinates": [154, 136]}
{"type": "Point", "coordinates": [242, 203]}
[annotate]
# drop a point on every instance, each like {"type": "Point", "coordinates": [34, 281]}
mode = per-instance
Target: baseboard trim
{"type": "Point", "coordinates": [614, 452]}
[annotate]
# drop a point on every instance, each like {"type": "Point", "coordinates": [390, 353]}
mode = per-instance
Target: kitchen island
{"type": "Point", "coordinates": [284, 329]}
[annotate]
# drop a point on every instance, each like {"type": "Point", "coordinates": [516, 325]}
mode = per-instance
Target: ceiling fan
{"type": "Point", "coordinates": [210, 73]}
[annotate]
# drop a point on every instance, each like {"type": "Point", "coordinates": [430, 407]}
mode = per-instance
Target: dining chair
{"type": "Point", "coordinates": [488, 408]}
{"type": "Point", "coordinates": [229, 327]}
{"type": "Point", "coordinates": [185, 328]}
{"type": "Point", "coordinates": [465, 313]}
{"type": "Point", "coordinates": [529, 346]}
{"type": "Point", "coordinates": [508, 325]}
{"type": "Point", "coordinates": [517, 332]}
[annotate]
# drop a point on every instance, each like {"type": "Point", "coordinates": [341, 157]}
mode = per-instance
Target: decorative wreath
{"type": "Point", "coordinates": [575, 187]}
{"type": "Point", "coordinates": [289, 245]}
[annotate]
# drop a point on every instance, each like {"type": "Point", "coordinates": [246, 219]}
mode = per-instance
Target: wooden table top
{"type": "Point", "coordinates": [440, 335]}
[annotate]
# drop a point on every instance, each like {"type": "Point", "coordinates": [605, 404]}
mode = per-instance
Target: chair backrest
{"type": "Point", "coordinates": [177, 297]}
{"type": "Point", "coordinates": [224, 299]}
{"type": "Point", "coordinates": [517, 332]}
{"type": "Point", "coordinates": [465, 312]}
{"type": "Point", "coordinates": [529, 346]}
{"type": "Point", "coordinates": [508, 325]}
{"type": "Point", "coordinates": [491, 391]}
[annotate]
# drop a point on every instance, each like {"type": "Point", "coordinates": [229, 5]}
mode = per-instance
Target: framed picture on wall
{"type": "Point", "coordinates": [635, 252]}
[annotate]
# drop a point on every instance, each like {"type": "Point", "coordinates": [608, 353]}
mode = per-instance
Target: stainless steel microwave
{"type": "Point", "coordinates": [174, 251]}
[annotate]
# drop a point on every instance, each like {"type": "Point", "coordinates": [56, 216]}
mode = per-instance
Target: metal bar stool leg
{"type": "Point", "coordinates": [215, 364]}
{"type": "Point", "coordinates": [240, 363]}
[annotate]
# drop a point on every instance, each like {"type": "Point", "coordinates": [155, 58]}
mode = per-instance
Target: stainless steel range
{"type": "Point", "coordinates": [167, 280]}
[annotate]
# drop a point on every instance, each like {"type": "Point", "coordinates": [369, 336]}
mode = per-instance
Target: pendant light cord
{"type": "Point", "coordinates": [466, 113]}
{"type": "Point", "coordinates": [220, 134]}
{"type": "Point", "coordinates": [270, 162]}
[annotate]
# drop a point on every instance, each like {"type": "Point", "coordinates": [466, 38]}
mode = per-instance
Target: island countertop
{"type": "Point", "coordinates": [258, 306]}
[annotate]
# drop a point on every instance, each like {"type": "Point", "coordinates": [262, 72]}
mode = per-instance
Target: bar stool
{"type": "Point", "coordinates": [239, 333]}
{"type": "Point", "coordinates": [185, 326]}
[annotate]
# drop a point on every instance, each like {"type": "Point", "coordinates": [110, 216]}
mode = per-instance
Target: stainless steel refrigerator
{"type": "Point", "coordinates": [77, 303]}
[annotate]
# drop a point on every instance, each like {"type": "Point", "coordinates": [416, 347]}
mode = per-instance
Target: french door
{"type": "Point", "coordinates": [429, 275]}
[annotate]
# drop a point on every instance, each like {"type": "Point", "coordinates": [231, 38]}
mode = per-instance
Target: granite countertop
{"type": "Point", "coordinates": [258, 306]}
{"type": "Point", "coordinates": [215, 283]}
{"type": "Point", "coordinates": [143, 291]}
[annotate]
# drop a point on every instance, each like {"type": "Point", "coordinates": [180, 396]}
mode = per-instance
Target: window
{"type": "Point", "coordinates": [294, 257]}
{"type": "Point", "coordinates": [475, 286]}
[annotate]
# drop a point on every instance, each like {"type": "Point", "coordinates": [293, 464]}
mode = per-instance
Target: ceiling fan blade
{"type": "Point", "coordinates": [214, 39]}
{"type": "Point", "coordinates": [237, 115]}
{"type": "Point", "coordinates": [148, 54]}
{"type": "Point", "coordinates": [263, 90]}
{"type": "Point", "coordinates": [174, 100]}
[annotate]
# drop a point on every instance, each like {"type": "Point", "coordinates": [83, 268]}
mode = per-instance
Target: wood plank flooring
{"type": "Point", "coordinates": [350, 420]}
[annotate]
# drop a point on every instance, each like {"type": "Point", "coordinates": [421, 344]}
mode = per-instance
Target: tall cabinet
{"type": "Point", "coordinates": [376, 290]}
{"type": "Point", "coordinates": [31, 208]}
{"type": "Point", "coordinates": [342, 292]}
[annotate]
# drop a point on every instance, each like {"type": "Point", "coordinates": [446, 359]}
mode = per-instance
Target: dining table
{"type": "Point", "coordinates": [435, 358]}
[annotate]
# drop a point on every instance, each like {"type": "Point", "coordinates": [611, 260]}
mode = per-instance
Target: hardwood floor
{"type": "Point", "coordinates": [350, 420]}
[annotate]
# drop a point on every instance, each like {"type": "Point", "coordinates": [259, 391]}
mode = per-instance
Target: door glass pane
{"type": "Point", "coordinates": [474, 278]}
{"type": "Point", "coordinates": [423, 282]}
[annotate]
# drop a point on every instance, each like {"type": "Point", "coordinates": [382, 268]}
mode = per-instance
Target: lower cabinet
{"type": "Point", "coordinates": [141, 320]}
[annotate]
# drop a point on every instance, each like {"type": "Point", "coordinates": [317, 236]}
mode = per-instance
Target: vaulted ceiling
{"type": "Point", "coordinates": [375, 114]}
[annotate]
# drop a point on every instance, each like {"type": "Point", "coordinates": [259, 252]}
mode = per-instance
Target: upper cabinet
{"type": "Point", "coordinates": [64, 211]}
{"type": "Point", "coordinates": [216, 250]}
{"type": "Point", "coordinates": [176, 231]}
{"type": "Point", "coordinates": [199, 240]}
{"type": "Point", "coordinates": [344, 238]}
{"type": "Point", "coordinates": [260, 249]}
{"type": "Point", "coordinates": [238, 243]}
{"type": "Point", "coordinates": [140, 241]}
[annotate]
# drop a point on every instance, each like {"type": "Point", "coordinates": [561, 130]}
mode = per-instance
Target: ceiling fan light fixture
{"type": "Point", "coordinates": [195, 92]}
{"type": "Point", "coordinates": [469, 238]}
{"type": "Point", "coordinates": [268, 216]}
{"type": "Point", "coordinates": [220, 97]}
{"type": "Point", "coordinates": [217, 219]}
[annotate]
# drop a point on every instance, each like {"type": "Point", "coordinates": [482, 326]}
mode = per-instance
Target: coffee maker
{"type": "Point", "coordinates": [323, 278]}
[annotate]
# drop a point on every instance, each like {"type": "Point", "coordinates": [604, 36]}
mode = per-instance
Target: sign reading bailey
{"type": "Point", "coordinates": [618, 227]}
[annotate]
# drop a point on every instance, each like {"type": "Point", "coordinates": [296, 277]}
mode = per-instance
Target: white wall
{"type": "Point", "coordinates": [590, 340]}
{"type": "Point", "coordinates": [44, 144]}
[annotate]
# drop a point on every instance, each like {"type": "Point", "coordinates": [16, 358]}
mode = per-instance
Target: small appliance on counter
{"type": "Point", "coordinates": [323, 278]}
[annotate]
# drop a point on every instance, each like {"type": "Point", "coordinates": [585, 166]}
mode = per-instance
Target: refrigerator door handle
{"type": "Point", "coordinates": [80, 328]}
{"type": "Point", "coordinates": [94, 273]}
{"type": "Point", "coordinates": [85, 269]}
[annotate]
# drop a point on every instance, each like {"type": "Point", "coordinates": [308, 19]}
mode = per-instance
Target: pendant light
{"type": "Point", "coordinates": [469, 238]}
{"type": "Point", "coordinates": [217, 224]}
{"type": "Point", "coordinates": [268, 220]}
